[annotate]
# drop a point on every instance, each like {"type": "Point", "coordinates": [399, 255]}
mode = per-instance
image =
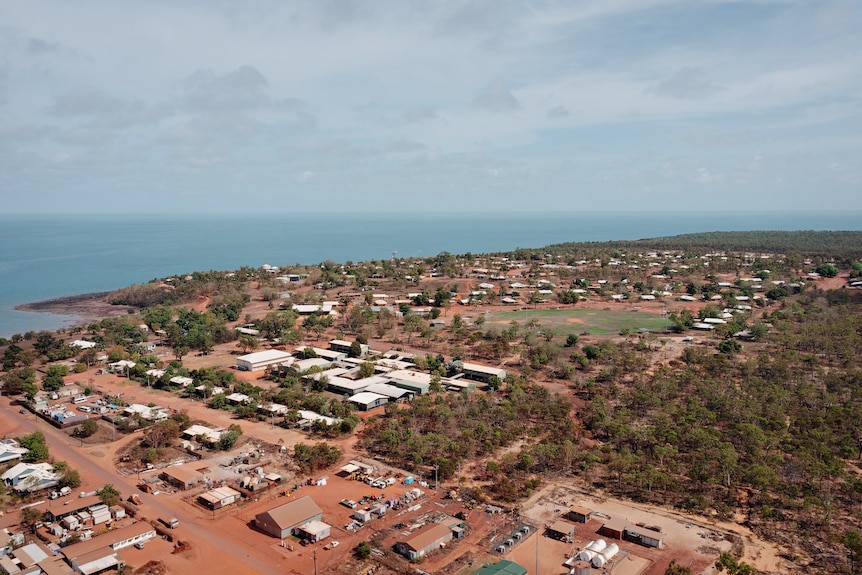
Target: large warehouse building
{"type": "Point", "coordinates": [260, 360]}
{"type": "Point", "coordinates": [281, 521]}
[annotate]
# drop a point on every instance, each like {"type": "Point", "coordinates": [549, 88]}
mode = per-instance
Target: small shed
{"type": "Point", "coordinates": [614, 528]}
{"type": "Point", "coordinates": [579, 514]}
{"type": "Point", "coordinates": [363, 515]}
{"type": "Point", "coordinates": [562, 530]}
{"type": "Point", "coordinates": [314, 531]}
{"type": "Point", "coordinates": [219, 497]}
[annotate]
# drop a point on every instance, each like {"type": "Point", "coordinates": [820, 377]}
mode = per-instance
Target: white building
{"type": "Point", "coordinates": [260, 360]}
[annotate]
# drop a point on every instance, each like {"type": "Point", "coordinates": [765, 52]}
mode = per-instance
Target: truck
{"type": "Point", "coordinates": [61, 493]}
{"type": "Point", "coordinates": [171, 523]}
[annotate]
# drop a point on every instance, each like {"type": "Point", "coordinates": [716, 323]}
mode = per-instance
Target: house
{"type": "Point", "coordinates": [308, 417]}
{"type": "Point", "coordinates": [83, 344]}
{"type": "Point", "coordinates": [482, 373]}
{"type": "Point", "coordinates": [121, 366]}
{"type": "Point", "coordinates": [579, 514]}
{"type": "Point", "coordinates": [150, 413]}
{"type": "Point", "coordinates": [260, 360]}
{"type": "Point", "coordinates": [181, 476]}
{"type": "Point", "coordinates": [182, 381]}
{"type": "Point", "coordinates": [31, 477]}
{"type": "Point", "coordinates": [308, 309]}
{"type": "Point", "coordinates": [210, 435]}
{"type": "Point", "coordinates": [282, 520]}
{"type": "Point", "coordinates": [247, 331]}
{"type": "Point", "coordinates": [220, 497]}
{"type": "Point", "coordinates": [423, 541]}
{"type": "Point", "coordinates": [502, 568]}
{"type": "Point", "coordinates": [238, 398]}
{"type": "Point", "coordinates": [146, 347]}
{"type": "Point", "coordinates": [10, 450]}
{"type": "Point", "coordinates": [366, 400]}
{"type": "Point", "coordinates": [343, 346]}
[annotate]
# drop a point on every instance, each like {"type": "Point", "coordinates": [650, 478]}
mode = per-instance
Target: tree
{"type": "Point", "coordinates": [853, 541]}
{"type": "Point", "coordinates": [571, 340]}
{"type": "Point", "coordinates": [362, 550]}
{"type": "Point", "coordinates": [729, 347]}
{"type": "Point", "coordinates": [355, 349]}
{"type": "Point", "coordinates": [71, 479]}
{"type": "Point", "coordinates": [109, 495]}
{"type": "Point", "coordinates": [29, 517]}
{"type": "Point", "coordinates": [53, 379]}
{"type": "Point", "coordinates": [247, 343]}
{"type": "Point", "coordinates": [38, 449]}
{"type": "Point", "coordinates": [16, 379]}
{"type": "Point", "coordinates": [827, 270]}
{"type": "Point", "coordinates": [228, 439]}
{"type": "Point", "coordinates": [366, 369]}
{"type": "Point", "coordinates": [162, 433]}
{"type": "Point", "coordinates": [88, 428]}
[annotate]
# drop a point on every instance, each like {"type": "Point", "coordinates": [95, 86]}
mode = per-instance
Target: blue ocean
{"type": "Point", "coordinates": [43, 257]}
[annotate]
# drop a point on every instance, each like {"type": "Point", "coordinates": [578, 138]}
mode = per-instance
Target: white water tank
{"type": "Point", "coordinates": [606, 555]}
{"type": "Point", "coordinates": [592, 549]}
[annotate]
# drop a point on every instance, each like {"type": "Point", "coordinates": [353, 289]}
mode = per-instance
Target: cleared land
{"type": "Point", "coordinates": [576, 321]}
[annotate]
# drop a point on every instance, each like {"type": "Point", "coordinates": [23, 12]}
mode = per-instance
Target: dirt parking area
{"type": "Point", "coordinates": [687, 539]}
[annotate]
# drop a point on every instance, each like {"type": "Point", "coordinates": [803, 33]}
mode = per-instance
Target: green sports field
{"type": "Point", "coordinates": [577, 321]}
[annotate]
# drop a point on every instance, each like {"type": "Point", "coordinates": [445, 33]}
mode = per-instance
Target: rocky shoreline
{"type": "Point", "coordinates": [87, 306]}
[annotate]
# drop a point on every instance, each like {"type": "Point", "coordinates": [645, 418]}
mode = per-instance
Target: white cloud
{"type": "Point", "coordinates": [378, 97]}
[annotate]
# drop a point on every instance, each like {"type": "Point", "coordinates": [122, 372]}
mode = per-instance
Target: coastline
{"type": "Point", "coordinates": [84, 306]}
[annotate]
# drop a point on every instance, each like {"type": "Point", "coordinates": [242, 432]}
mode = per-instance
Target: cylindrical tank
{"type": "Point", "coordinates": [606, 555]}
{"type": "Point", "coordinates": [592, 549]}
{"type": "Point", "coordinates": [586, 554]}
{"type": "Point", "coordinates": [580, 568]}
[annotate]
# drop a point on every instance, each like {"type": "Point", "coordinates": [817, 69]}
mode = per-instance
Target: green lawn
{"type": "Point", "coordinates": [577, 321]}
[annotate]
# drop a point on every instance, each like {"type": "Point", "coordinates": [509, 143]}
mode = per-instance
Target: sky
{"type": "Point", "coordinates": [290, 106]}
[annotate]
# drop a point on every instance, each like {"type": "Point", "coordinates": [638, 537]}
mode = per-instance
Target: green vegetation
{"type": "Point", "coordinates": [318, 456]}
{"type": "Point", "coordinates": [109, 495]}
{"type": "Point", "coordinates": [35, 442]}
{"type": "Point", "coordinates": [577, 321]}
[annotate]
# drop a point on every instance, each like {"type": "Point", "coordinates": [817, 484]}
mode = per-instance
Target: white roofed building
{"type": "Point", "coordinates": [260, 360]}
